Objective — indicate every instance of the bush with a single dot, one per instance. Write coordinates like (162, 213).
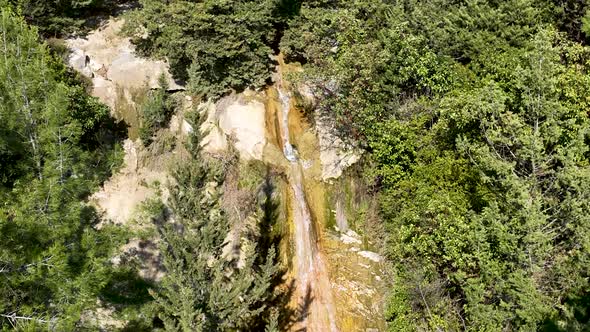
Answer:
(219, 45)
(155, 112)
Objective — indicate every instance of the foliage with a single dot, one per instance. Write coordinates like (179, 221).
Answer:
(475, 120)
(219, 45)
(57, 145)
(204, 289)
(58, 17)
(477, 125)
(155, 111)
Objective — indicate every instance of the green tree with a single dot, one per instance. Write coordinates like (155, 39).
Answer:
(155, 112)
(58, 17)
(53, 260)
(219, 45)
(476, 124)
(203, 290)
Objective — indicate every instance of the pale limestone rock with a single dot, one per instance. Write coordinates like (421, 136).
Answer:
(174, 124)
(352, 233)
(349, 239)
(106, 53)
(214, 141)
(105, 90)
(186, 127)
(122, 193)
(375, 257)
(240, 117)
(335, 154)
(244, 121)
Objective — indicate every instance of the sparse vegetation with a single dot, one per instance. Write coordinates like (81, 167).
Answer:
(156, 111)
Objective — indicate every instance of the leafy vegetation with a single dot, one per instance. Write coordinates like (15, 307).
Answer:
(475, 119)
(155, 111)
(205, 288)
(57, 145)
(482, 160)
(219, 45)
(57, 17)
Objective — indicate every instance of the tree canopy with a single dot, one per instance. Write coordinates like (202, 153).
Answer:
(56, 147)
(58, 17)
(219, 45)
(474, 116)
(476, 121)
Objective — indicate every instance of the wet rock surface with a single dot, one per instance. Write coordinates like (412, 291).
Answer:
(358, 282)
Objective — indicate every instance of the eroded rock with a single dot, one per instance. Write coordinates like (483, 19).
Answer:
(241, 118)
(106, 56)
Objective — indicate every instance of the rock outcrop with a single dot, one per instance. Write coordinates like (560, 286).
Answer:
(239, 118)
(109, 59)
(335, 154)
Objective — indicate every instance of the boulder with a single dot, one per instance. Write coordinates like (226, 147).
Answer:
(239, 117)
(105, 90)
(214, 141)
(244, 121)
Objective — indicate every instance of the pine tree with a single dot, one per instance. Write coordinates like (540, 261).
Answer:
(219, 45)
(53, 261)
(202, 289)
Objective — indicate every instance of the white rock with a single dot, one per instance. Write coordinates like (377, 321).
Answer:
(78, 62)
(335, 154)
(186, 127)
(352, 233)
(105, 52)
(375, 257)
(104, 90)
(307, 94)
(174, 124)
(214, 140)
(349, 240)
(244, 121)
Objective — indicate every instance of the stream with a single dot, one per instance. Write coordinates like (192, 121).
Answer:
(314, 287)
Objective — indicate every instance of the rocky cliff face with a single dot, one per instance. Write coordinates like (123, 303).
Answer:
(338, 270)
(109, 60)
(241, 118)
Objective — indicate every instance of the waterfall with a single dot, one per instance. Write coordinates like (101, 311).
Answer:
(312, 274)
(288, 149)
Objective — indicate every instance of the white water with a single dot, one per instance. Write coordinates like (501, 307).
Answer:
(288, 149)
(312, 274)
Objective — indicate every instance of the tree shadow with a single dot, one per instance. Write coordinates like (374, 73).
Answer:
(126, 288)
(288, 8)
(145, 257)
(290, 317)
(579, 321)
(269, 237)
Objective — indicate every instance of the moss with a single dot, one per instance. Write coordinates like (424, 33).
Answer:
(330, 213)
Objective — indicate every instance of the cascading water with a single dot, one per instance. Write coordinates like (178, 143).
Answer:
(312, 275)
(288, 149)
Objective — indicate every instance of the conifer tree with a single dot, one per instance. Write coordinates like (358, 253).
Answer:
(53, 260)
(202, 289)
